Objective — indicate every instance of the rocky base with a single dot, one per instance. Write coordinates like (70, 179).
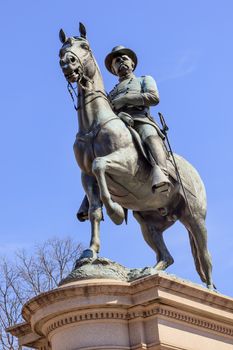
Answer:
(93, 268)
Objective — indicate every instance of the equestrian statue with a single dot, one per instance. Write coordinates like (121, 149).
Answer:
(124, 158)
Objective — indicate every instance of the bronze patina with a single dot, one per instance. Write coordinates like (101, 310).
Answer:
(119, 170)
(131, 98)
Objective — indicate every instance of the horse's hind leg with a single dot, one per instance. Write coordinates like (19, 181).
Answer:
(152, 229)
(198, 238)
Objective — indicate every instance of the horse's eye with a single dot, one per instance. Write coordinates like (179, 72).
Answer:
(84, 46)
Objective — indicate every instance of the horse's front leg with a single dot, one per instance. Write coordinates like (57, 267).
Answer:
(95, 214)
(114, 163)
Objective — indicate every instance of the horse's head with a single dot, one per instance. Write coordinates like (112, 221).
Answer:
(76, 59)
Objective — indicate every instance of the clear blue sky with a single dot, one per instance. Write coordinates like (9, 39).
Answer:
(186, 46)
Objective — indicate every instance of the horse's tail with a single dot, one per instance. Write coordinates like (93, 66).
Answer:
(196, 258)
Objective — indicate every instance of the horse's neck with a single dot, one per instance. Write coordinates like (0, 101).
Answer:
(94, 107)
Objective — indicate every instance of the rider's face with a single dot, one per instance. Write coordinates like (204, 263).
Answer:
(122, 65)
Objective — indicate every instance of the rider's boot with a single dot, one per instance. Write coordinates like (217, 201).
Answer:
(160, 181)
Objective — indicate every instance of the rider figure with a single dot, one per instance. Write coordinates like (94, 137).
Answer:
(132, 97)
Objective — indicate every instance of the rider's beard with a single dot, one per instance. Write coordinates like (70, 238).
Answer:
(123, 70)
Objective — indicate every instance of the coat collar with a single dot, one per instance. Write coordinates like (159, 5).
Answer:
(129, 76)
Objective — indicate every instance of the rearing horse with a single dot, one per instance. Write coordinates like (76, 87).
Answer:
(116, 174)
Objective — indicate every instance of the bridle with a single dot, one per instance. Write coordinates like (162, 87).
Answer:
(72, 91)
(90, 135)
(82, 77)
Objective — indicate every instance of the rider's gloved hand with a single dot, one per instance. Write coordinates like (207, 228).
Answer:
(118, 103)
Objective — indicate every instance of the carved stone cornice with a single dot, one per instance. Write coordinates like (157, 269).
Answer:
(165, 303)
(157, 310)
(90, 287)
(160, 281)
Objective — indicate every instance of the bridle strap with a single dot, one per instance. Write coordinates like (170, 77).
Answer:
(82, 76)
(81, 73)
(72, 92)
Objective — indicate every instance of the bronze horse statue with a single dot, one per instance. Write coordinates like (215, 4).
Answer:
(116, 174)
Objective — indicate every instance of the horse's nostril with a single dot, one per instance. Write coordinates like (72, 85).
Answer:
(62, 62)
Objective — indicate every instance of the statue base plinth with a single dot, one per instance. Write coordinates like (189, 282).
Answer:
(157, 312)
(103, 268)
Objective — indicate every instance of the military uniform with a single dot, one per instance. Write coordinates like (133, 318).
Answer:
(145, 94)
(134, 96)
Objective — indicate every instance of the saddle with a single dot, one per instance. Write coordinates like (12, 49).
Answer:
(129, 122)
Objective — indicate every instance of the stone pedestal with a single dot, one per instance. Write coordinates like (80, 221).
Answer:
(158, 312)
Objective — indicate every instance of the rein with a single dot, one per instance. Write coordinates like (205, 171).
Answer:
(72, 92)
(89, 136)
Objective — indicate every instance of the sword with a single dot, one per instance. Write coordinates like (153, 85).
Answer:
(165, 129)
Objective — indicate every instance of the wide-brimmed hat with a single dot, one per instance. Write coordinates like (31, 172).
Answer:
(117, 51)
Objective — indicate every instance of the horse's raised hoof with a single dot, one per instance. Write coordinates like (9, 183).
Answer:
(88, 254)
(116, 213)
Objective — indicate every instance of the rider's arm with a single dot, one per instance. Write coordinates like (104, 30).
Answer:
(150, 92)
(149, 95)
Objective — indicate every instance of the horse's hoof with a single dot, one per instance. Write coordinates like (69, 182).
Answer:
(88, 254)
(163, 264)
(117, 214)
(212, 287)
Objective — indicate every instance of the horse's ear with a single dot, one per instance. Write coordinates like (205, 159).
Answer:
(82, 30)
(62, 36)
